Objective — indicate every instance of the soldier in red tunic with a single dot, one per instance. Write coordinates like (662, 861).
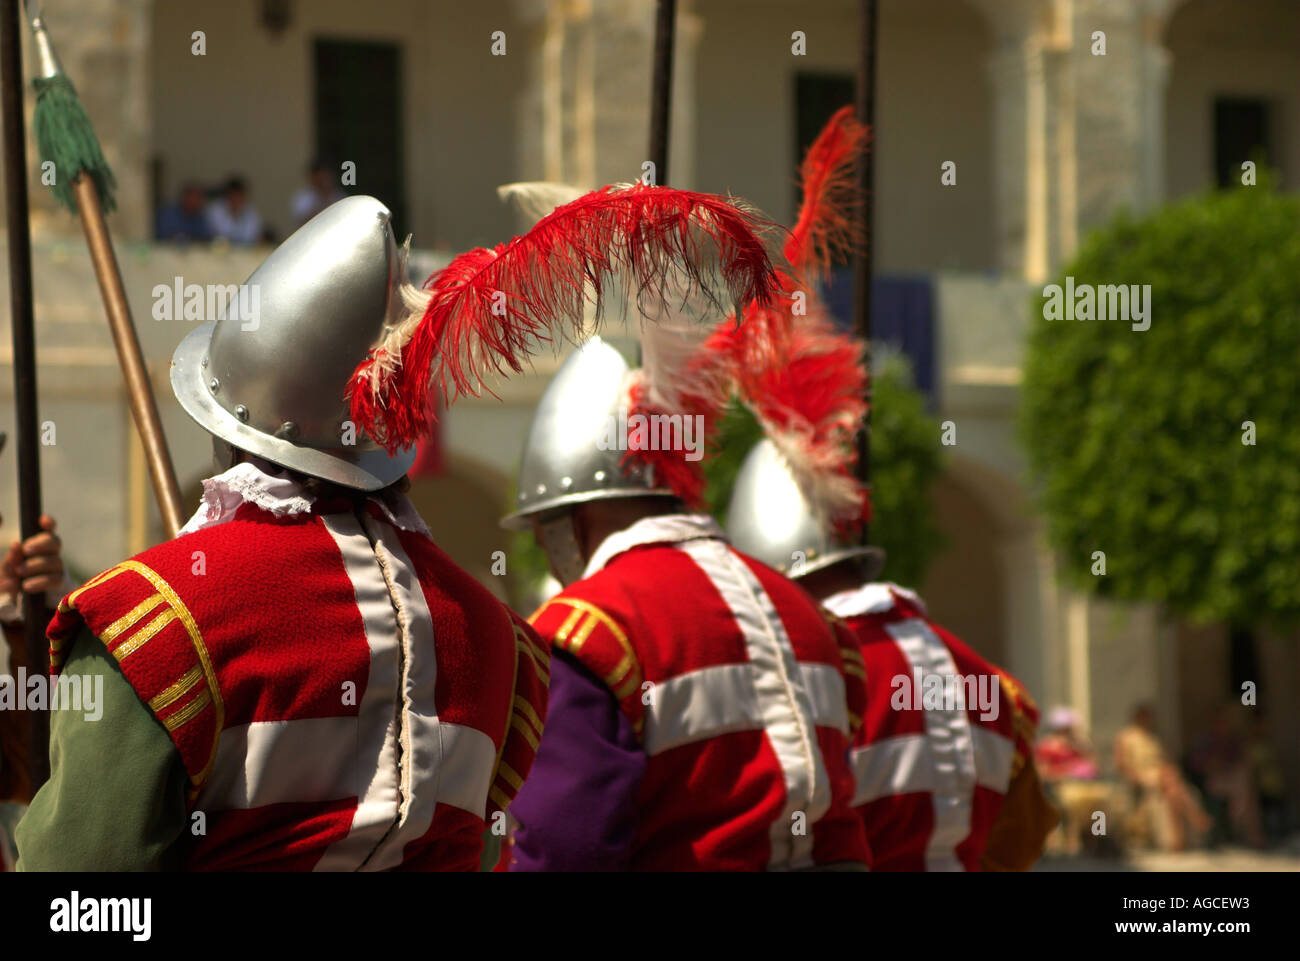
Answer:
(943, 764)
(701, 711)
(943, 770)
(302, 679)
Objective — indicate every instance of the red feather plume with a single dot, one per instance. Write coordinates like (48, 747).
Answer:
(828, 226)
(486, 311)
(810, 406)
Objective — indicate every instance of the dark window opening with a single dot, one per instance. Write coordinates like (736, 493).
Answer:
(1241, 132)
(359, 118)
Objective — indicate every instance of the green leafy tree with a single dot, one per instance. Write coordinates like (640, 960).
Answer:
(1175, 450)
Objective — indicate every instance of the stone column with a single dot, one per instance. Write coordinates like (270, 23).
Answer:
(1119, 110)
(1019, 76)
(1031, 638)
(587, 115)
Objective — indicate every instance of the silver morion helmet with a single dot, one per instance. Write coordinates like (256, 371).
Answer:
(269, 375)
(573, 452)
(770, 519)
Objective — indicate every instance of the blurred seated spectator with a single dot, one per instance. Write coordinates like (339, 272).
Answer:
(1166, 809)
(1220, 758)
(321, 190)
(232, 217)
(184, 220)
(1063, 752)
(1068, 767)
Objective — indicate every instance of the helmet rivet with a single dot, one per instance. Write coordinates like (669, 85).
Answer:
(288, 431)
(204, 362)
(566, 482)
(541, 489)
(214, 385)
(599, 477)
(242, 413)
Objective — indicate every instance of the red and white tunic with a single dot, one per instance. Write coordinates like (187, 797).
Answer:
(343, 696)
(734, 682)
(930, 782)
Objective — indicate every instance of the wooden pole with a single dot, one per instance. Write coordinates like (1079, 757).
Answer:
(661, 93)
(866, 110)
(139, 390)
(35, 614)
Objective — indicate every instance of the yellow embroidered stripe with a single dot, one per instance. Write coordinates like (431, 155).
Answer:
(188, 711)
(562, 634)
(579, 637)
(532, 640)
(514, 686)
(855, 671)
(186, 618)
(129, 619)
(628, 667)
(499, 798)
(524, 727)
(511, 778)
(144, 635)
(626, 688)
(524, 708)
(178, 690)
(525, 648)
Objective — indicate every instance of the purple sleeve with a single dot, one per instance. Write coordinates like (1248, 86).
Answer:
(577, 810)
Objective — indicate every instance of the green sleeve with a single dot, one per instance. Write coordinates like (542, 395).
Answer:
(115, 800)
(491, 851)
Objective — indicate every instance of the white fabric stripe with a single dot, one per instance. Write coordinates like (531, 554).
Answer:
(781, 694)
(716, 700)
(441, 762)
(894, 765)
(873, 598)
(658, 529)
(994, 755)
(375, 761)
(952, 752)
(271, 762)
(903, 765)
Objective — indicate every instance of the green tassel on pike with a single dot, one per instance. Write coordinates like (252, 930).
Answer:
(65, 136)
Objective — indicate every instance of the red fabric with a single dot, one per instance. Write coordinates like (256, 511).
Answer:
(277, 614)
(709, 804)
(899, 827)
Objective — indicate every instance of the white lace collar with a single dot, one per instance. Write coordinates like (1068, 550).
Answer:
(874, 598)
(659, 529)
(260, 483)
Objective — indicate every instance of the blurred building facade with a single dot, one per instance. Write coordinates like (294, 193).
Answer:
(1049, 136)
